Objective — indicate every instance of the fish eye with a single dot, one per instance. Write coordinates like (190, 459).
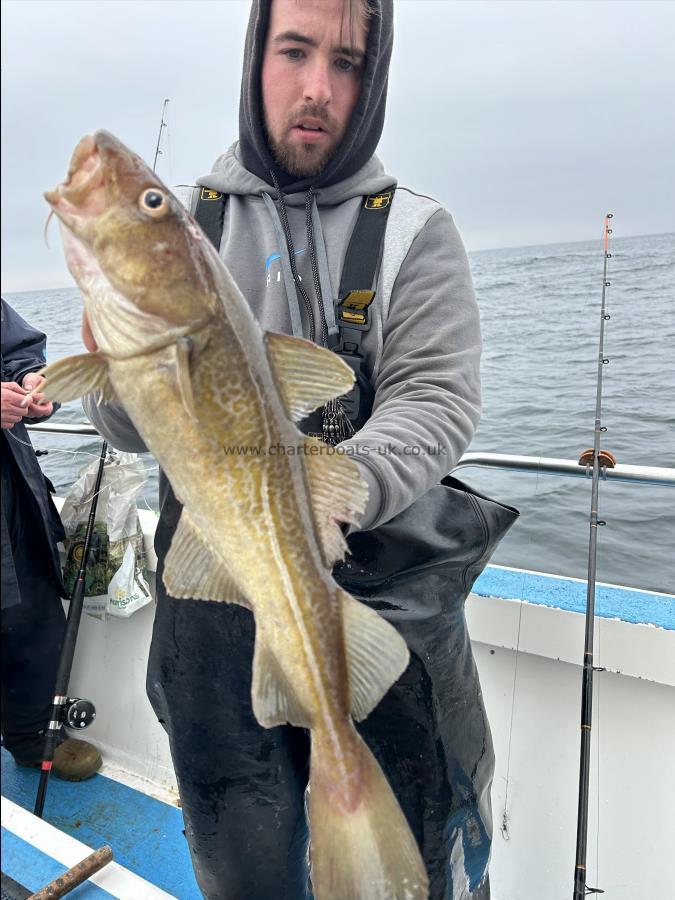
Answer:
(153, 202)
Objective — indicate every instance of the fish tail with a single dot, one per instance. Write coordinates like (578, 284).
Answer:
(362, 847)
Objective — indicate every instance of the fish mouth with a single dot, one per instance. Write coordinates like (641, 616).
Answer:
(83, 193)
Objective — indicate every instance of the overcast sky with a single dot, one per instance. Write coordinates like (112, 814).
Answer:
(528, 120)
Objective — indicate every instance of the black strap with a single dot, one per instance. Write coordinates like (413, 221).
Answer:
(359, 272)
(365, 246)
(210, 214)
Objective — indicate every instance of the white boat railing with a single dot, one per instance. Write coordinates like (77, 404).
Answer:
(548, 465)
(537, 465)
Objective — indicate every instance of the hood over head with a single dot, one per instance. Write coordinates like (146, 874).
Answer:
(229, 176)
(365, 128)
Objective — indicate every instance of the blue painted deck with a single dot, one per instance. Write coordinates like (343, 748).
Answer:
(611, 601)
(34, 869)
(145, 834)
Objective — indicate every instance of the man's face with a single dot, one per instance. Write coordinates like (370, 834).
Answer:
(311, 80)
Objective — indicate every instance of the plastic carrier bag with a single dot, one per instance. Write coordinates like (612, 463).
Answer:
(116, 580)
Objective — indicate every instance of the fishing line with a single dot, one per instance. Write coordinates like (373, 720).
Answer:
(536, 481)
(504, 828)
(45, 234)
(73, 452)
(109, 483)
(8, 432)
(148, 470)
(148, 507)
(41, 451)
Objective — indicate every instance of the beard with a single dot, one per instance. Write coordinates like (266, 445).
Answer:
(303, 160)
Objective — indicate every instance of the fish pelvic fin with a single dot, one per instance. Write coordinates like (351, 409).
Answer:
(361, 843)
(376, 653)
(338, 494)
(75, 376)
(307, 376)
(183, 347)
(272, 695)
(192, 570)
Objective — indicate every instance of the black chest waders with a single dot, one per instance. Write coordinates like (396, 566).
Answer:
(242, 786)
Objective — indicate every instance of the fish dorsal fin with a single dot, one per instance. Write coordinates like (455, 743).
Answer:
(338, 494)
(307, 376)
(274, 701)
(376, 653)
(191, 569)
(74, 377)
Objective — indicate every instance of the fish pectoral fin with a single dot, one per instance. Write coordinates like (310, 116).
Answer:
(74, 377)
(307, 376)
(338, 493)
(376, 654)
(274, 701)
(192, 570)
(181, 364)
(107, 394)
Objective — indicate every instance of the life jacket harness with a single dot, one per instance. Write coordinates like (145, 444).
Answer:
(355, 296)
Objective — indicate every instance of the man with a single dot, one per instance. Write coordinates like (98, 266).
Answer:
(33, 621)
(311, 115)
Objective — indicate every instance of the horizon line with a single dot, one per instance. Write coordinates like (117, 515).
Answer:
(60, 287)
(581, 241)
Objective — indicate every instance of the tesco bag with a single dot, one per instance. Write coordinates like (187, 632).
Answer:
(116, 580)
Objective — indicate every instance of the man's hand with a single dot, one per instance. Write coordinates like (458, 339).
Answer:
(36, 407)
(13, 396)
(87, 336)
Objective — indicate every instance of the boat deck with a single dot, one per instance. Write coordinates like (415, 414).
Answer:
(527, 633)
(151, 857)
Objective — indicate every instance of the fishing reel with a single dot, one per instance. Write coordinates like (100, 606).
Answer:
(78, 713)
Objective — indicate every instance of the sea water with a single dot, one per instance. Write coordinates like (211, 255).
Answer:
(540, 312)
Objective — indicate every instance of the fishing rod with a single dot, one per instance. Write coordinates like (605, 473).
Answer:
(72, 711)
(597, 458)
(162, 126)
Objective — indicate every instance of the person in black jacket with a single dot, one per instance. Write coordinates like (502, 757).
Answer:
(33, 621)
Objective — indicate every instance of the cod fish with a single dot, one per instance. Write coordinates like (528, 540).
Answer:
(216, 401)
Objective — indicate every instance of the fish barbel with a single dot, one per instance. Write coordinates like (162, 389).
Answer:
(216, 400)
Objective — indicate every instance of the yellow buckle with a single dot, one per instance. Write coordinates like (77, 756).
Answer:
(358, 299)
(358, 318)
(353, 310)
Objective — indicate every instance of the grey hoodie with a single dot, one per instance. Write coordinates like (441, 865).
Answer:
(423, 349)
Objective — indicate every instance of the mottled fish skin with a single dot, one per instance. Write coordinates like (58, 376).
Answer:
(179, 348)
